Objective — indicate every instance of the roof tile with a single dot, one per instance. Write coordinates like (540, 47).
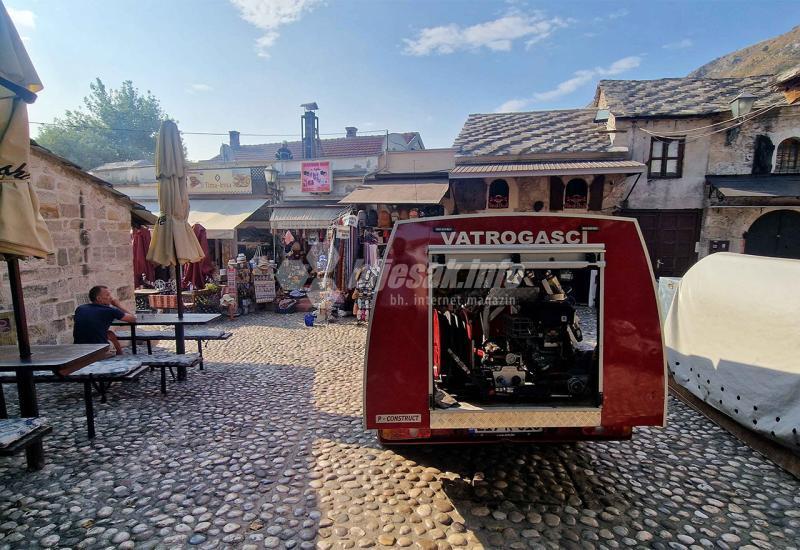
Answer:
(564, 131)
(684, 96)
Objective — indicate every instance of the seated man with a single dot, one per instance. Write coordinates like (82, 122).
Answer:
(93, 320)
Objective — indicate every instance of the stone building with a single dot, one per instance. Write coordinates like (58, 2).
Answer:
(704, 164)
(538, 161)
(90, 223)
(719, 176)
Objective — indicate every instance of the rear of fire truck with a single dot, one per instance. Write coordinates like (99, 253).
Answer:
(523, 327)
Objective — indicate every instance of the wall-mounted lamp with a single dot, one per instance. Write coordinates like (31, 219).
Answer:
(742, 104)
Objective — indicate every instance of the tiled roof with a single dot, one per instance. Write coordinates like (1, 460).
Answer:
(548, 168)
(358, 146)
(684, 96)
(566, 131)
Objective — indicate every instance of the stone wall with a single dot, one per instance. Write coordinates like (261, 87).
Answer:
(91, 231)
(666, 193)
(736, 156)
(712, 154)
(730, 224)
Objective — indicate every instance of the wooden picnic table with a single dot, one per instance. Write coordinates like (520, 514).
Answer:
(170, 319)
(61, 359)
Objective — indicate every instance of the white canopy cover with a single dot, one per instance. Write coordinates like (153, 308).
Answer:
(733, 339)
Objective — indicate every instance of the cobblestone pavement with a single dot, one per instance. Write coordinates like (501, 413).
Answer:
(265, 449)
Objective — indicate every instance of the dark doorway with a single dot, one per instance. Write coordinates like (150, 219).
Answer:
(671, 236)
(775, 234)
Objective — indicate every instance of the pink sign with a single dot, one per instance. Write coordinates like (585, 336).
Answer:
(315, 177)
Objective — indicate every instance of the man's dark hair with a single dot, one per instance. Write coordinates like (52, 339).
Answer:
(95, 291)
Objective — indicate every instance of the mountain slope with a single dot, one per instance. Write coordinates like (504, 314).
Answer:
(768, 57)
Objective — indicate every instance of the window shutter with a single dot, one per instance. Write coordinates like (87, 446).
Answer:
(596, 193)
(556, 194)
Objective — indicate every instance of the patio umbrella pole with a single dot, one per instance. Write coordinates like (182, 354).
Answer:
(20, 319)
(26, 390)
(180, 338)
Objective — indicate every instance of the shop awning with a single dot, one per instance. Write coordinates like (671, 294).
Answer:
(551, 168)
(756, 187)
(398, 192)
(308, 217)
(220, 217)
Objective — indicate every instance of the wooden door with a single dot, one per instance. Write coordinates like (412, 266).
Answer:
(671, 236)
(775, 234)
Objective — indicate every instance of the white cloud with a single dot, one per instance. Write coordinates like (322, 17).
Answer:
(495, 35)
(679, 45)
(270, 15)
(619, 14)
(579, 78)
(512, 105)
(199, 87)
(24, 19)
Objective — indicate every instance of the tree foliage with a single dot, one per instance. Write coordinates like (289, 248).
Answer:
(115, 125)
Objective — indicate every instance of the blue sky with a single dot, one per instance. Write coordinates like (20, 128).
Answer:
(405, 65)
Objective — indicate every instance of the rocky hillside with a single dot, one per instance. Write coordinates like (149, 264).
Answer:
(768, 57)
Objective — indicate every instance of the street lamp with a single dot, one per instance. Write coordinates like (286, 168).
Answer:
(271, 175)
(742, 104)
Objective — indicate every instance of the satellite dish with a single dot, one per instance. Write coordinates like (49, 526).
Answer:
(397, 142)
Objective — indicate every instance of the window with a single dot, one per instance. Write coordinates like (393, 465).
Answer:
(666, 158)
(788, 159)
(498, 194)
(575, 194)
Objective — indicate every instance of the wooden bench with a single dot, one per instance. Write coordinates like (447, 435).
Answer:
(99, 375)
(17, 434)
(199, 334)
(165, 360)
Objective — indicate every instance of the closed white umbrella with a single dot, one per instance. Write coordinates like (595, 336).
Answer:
(23, 231)
(173, 242)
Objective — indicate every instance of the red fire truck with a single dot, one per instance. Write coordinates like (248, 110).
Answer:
(514, 326)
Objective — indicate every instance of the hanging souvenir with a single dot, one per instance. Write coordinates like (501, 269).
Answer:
(384, 218)
(288, 238)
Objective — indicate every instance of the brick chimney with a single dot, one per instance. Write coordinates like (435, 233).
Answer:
(351, 131)
(234, 139)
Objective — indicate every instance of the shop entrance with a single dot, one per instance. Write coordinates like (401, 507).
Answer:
(775, 234)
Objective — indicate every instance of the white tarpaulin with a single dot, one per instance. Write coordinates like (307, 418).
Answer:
(733, 340)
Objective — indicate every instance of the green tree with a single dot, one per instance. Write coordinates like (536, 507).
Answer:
(116, 125)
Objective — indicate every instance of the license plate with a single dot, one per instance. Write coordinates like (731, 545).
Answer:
(504, 430)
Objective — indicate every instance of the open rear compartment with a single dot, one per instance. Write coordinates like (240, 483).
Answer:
(515, 337)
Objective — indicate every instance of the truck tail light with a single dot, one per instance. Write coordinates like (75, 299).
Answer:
(399, 434)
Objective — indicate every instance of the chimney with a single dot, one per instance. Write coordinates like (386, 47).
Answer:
(309, 130)
(351, 131)
(234, 138)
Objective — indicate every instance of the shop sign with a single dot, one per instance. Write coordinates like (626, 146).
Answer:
(342, 232)
(237, 181)
(316, 177)
(230, 287)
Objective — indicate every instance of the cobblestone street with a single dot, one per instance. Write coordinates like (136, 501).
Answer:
(265, 449)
